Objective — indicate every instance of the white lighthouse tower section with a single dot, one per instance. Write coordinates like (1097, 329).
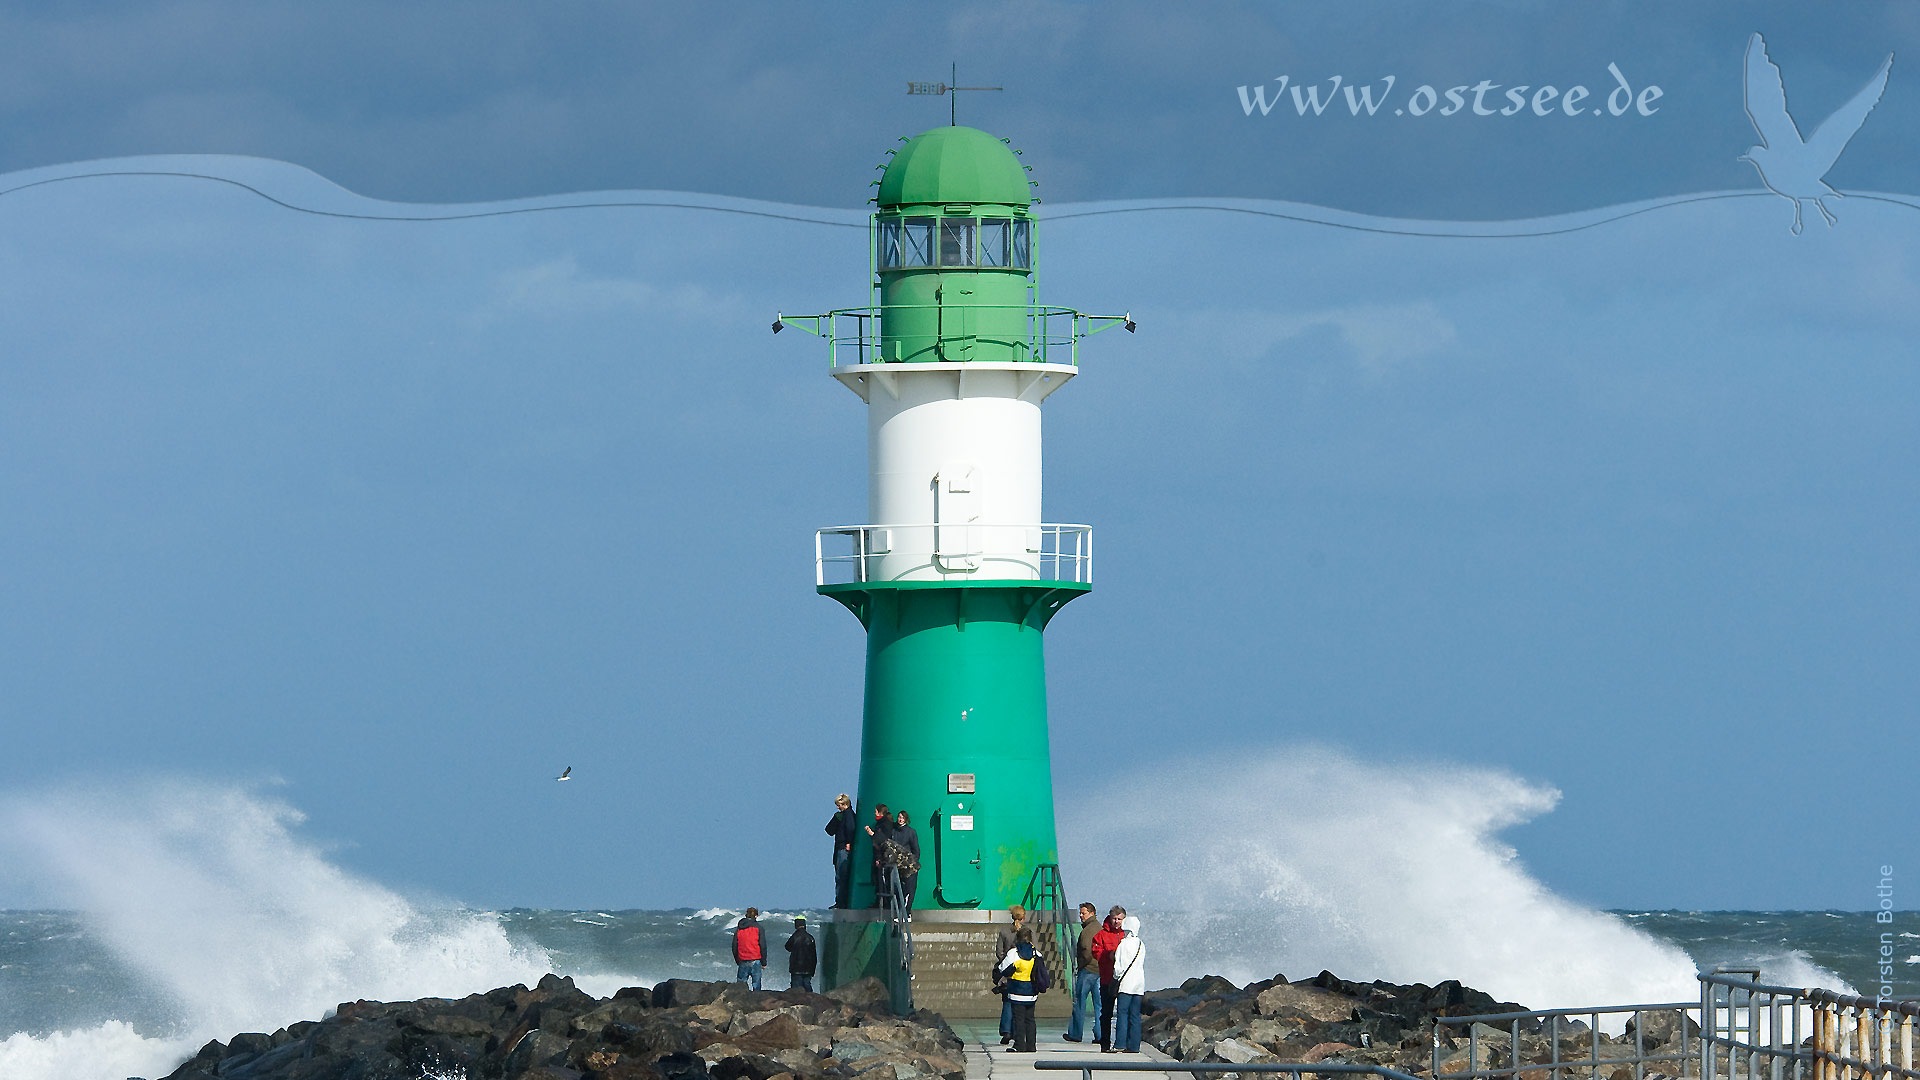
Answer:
(954, 468)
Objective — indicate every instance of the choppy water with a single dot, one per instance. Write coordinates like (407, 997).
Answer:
(241, 924)
(58, 971)
(64, 986)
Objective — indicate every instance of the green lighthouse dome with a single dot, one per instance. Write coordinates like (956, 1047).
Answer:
(954, 165)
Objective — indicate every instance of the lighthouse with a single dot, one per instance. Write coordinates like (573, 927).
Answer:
(956, 573)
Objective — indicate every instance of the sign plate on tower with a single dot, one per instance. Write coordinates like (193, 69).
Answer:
(959, 783)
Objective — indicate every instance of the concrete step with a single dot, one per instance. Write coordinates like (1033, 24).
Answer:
(951, 966)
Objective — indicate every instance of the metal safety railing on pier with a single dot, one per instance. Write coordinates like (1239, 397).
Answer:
(1087, 1067)
(1016, 552)
(1752, 1031)
(1559, 1044)
(1740, 1029)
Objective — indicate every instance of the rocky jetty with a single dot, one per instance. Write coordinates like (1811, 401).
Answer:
(678, 1030)
(1326, 1018)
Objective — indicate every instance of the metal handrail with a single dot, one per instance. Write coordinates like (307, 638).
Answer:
(1783, 1060)
(899, 915)
(1542, 1014)
(1047, 891)
(1554, 1066)
(1905, 1006)
(1068, 562)
(1087, 1067)
(1852, 1038)
(1851, 1035)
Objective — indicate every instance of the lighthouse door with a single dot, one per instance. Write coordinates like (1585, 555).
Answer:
(956, 509)
(959, 840)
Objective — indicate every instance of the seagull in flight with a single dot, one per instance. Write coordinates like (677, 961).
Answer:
(567, 774)
(1792, 166)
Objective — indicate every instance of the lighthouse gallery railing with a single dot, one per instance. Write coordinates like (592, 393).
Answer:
(1044, 552)
(1052, 335)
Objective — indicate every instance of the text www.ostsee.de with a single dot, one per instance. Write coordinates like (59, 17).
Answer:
(1484, 98)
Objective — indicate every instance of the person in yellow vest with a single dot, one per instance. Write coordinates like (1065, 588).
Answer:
(1027, 979)
(1003, 944)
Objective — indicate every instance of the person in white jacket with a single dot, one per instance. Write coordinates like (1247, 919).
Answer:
(1130, 971)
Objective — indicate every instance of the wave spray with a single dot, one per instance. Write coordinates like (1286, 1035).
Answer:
(1306, 859)
(235, 922)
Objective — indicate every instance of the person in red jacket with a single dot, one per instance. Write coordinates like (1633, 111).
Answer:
(750, 948)
(1104, 942)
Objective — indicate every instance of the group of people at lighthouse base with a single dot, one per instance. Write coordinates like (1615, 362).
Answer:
(1109, 980)
(1110, 975)
(896, 854)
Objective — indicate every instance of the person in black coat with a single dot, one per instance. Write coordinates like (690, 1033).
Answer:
(909, 842)
(803, 959)
(844, 828)
(881, 832)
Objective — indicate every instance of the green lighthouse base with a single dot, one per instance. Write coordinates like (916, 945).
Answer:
(943, 962)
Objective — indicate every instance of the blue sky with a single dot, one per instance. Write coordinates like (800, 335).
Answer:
(395, 519)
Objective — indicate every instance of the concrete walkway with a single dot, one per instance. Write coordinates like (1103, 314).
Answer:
(988, 1060)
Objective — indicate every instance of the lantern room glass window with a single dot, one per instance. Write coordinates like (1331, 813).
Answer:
(998, 243)
(918, 234)
(956, 241)
(892, 253)
(993, 241)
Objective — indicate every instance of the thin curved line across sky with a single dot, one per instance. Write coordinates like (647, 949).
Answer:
(1438, 230)
(465, 216)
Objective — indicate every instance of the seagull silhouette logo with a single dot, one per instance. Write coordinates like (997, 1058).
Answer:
(1792, 167)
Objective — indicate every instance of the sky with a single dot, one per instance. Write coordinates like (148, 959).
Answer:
(392, 520)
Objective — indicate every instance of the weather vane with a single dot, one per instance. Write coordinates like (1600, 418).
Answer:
(953, 103)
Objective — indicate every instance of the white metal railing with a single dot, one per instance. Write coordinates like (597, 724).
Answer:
(975, 551)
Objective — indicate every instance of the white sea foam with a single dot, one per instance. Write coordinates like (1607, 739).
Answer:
(1307, 859)
(1795, 967)
(113, 1051)
(208, 893)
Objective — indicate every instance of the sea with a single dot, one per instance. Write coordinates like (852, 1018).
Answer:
(76, 1004)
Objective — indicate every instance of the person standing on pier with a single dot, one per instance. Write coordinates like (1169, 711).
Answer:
(1086, 976)
(1104, 942)
(1130, 982)
(1004, 944)
(1026, 972)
